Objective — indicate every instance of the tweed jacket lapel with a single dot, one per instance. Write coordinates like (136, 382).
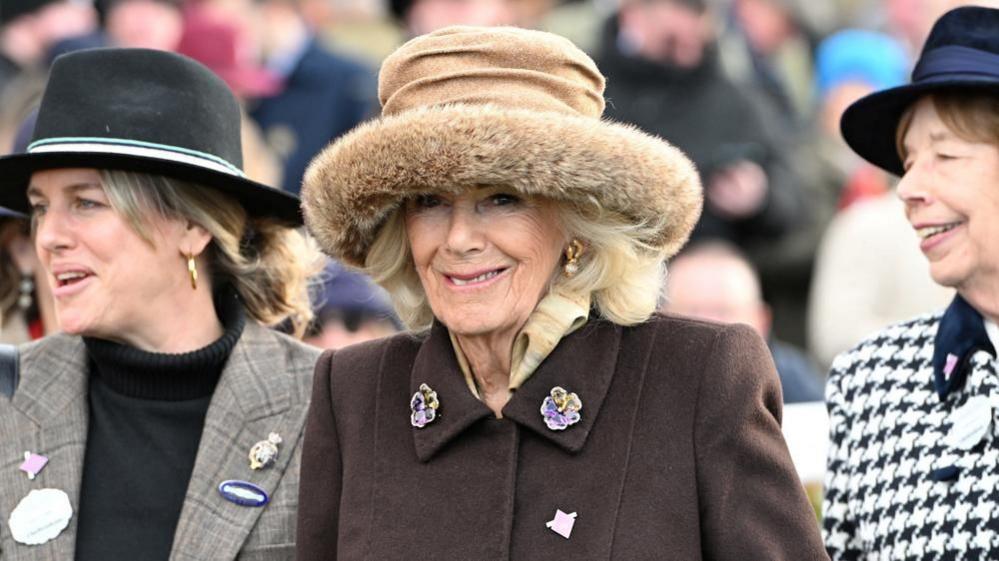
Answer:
(48, 416)
(583, 362)
(252, 400)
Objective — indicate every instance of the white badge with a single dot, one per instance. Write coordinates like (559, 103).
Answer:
(40, 517)
(970, 423)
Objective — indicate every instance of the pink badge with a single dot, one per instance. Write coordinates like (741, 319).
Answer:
(949, 365)
(562, 524)
(33, 463)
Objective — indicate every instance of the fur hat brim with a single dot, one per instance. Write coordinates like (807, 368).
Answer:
(352, 187)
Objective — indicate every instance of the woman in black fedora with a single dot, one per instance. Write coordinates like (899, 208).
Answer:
(914, 458)
(165, 422)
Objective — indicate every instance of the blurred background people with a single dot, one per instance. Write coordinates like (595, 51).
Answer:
(770, 45)
(663, 75)
(219, 43)
(323, 94)
(715, 282)
(349, 309)
(29, 29)
(27, 311)
(850, 64)
(148, 24)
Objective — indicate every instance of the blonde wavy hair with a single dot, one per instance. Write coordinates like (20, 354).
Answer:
(622, 274)
(268, 263)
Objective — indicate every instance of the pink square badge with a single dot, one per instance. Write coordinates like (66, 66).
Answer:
(562, 524)
(33, 463)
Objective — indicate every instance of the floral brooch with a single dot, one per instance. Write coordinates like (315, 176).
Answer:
(561, 409)
(424, 407)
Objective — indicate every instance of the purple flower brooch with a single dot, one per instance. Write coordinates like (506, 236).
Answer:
(561, 409)
(424, 406)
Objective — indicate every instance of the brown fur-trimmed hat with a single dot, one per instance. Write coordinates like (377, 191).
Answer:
(469, 106)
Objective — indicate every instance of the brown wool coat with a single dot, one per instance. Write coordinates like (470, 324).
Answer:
(678, 455)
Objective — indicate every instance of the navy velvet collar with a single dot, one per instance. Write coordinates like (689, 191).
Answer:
(960, 334)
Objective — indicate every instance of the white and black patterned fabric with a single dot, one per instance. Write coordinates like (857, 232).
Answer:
(894, 489)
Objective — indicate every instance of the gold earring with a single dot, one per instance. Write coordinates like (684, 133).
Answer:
(192, 269)
(572, 254)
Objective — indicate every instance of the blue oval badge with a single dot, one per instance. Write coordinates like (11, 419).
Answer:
(243, 493)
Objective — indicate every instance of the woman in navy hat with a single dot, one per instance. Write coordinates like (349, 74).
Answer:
(914, 460)
(164, 422)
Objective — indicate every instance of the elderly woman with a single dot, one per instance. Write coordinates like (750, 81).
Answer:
(915, 451)
(164, 422)
(539, 410)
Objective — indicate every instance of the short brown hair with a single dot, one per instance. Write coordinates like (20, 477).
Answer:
(973, 116)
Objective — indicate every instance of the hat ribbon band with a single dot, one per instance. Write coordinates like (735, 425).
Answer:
(956, 59)
(137, 148)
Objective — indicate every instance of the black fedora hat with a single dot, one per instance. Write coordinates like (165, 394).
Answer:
(961, 52)
(141, 110)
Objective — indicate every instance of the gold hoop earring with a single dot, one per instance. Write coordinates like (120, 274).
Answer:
(192, 269)
(572, 254)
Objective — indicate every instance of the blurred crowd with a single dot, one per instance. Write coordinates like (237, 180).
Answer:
(799, 237)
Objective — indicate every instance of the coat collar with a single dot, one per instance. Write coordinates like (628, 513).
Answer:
(583, 362)
(254, 398)
(51, 400)
(59, 381)
(960, 334)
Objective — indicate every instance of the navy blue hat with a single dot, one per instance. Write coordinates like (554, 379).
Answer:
(349, 293)
(961, 52)
(146, 111)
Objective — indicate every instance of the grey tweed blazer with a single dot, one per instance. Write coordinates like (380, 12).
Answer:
(264, 388)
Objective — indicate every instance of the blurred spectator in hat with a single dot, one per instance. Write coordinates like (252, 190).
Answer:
(324, 94)
(27, 311)
(846, 64)
(146, 24)
(30, 28)
(663, 75)
(770, 44)
(350, 309)
(149, 24)
(224, 47)
(849, 65)
(714, 281)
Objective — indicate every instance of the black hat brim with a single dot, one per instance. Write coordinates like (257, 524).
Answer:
(258, 199)
(869, 125)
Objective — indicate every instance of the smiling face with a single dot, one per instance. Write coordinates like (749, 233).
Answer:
(106, 280)
(951, 194)
(485, 257)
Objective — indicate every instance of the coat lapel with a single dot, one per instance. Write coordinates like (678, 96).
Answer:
(436, 366)
(583, 362)
(52, 406)
(252, 400)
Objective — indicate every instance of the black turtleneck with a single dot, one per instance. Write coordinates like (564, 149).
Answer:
(147, 412)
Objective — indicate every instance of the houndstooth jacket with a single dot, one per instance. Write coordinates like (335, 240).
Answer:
(895, 489)
(264, 388)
